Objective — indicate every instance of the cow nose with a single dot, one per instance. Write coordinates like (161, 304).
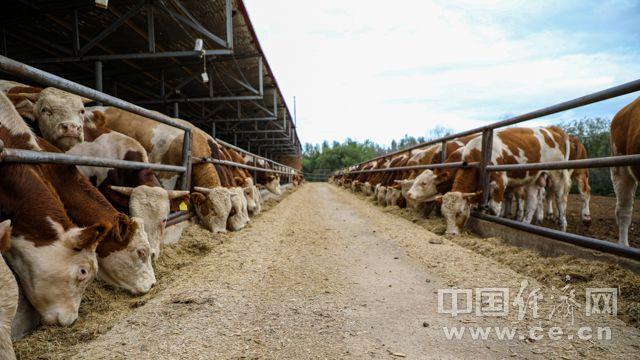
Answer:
(67, 319)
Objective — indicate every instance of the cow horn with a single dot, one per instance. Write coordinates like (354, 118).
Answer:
(470, 195)
(173, 194)
(124, 190)
(201, 189)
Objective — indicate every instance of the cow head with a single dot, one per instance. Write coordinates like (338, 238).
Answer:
(424, 187)
(130, 268)
(238, 216)
(152, 205)
(59, 114)
(273, 184)
(55, 276)
(393, 196)
(367, 189)
(382, 195)
(251, 194)
(212, 207)
(456, 208)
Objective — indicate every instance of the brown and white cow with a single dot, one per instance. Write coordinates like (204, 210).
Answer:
(581, 179)
(124, 255)
(164, 145)
(625, 140)
(8, 295)
(270, 180)
(53, 258)
(136, 192)
(58, 114)
(426, 185)
(510, 146)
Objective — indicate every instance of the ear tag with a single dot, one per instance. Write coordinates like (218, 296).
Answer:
(183, 206)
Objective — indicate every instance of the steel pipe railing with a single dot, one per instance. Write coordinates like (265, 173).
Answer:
(575, 239)
(239, 165)
(486, 166)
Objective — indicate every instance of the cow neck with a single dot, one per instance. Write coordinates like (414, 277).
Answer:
(29, 200)
(85, 205)
(91, 133)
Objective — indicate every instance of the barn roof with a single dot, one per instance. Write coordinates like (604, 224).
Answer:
(144, 51)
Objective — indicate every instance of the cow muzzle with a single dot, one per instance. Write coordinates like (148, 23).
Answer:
(69, 130)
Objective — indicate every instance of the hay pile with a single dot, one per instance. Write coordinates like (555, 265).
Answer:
(104, 306)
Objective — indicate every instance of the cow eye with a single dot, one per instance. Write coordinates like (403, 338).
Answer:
(45, 111)
(82, 111)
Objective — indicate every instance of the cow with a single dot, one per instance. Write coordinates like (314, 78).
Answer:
(233, 176)
(580, 177)
(58, 114)
(510, 146)
(625, 140)
(8, 295)
(426, 185)
(53, 258)
(270, 180)
(163, 144)
(124, 256)
(136, 192)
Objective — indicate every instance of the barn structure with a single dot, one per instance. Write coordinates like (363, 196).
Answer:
(200, 61)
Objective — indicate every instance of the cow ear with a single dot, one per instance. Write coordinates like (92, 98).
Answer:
(5, 235)
(197, 198)
(24, 104)
(473, 197)
(438, 199)
(124, 190)
(97, 117)
(176, 203)
(441, 176)
(90, 237)
(239, 180)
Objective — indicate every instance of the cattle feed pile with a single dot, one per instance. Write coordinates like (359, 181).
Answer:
(108, 224)
(103, 306)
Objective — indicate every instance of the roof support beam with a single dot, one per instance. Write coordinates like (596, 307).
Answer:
(191, 22)
(111, 28)
(132, 56)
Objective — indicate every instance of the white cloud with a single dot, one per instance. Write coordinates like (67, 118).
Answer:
(378, 70)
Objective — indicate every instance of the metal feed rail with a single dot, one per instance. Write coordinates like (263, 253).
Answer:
(486, 167)
(48, 79)
(28, 156)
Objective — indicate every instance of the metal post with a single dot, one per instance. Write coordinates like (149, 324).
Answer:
(185, 179)
(443, 151)
(151, 34)
(295, 111)
(176, 110)
(98, 75)
(487, 147)
(260, 80)
(75, 33)
(162, 89)
(213, 129)
(229, 14)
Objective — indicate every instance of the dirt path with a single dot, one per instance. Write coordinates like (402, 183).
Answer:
(325, 275)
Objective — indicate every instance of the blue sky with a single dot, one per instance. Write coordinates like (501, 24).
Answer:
(380, 69)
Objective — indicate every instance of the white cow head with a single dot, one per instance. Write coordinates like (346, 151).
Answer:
(59, 114)
(393, 196)
(251, 194)
(424, 187)
(367, 189)
(238, 216)
(55, 276)
(382, 195)
(212, 207)
(273, 184)
(456, 208)
(152, 205)
(130, 268)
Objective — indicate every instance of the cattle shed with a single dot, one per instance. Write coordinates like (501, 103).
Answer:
(200, 61)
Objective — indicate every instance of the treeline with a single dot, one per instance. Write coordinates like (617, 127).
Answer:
(321, 159)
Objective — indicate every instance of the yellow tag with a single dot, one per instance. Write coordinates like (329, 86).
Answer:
(183, 206)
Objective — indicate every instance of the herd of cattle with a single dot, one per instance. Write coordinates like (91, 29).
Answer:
(62, 225)
(534, 194)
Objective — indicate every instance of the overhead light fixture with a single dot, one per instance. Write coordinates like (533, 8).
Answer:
(102, 3)
(198, 46)
(205, 77)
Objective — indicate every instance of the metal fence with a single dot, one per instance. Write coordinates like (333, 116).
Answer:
(486, 167)
(28, 156)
